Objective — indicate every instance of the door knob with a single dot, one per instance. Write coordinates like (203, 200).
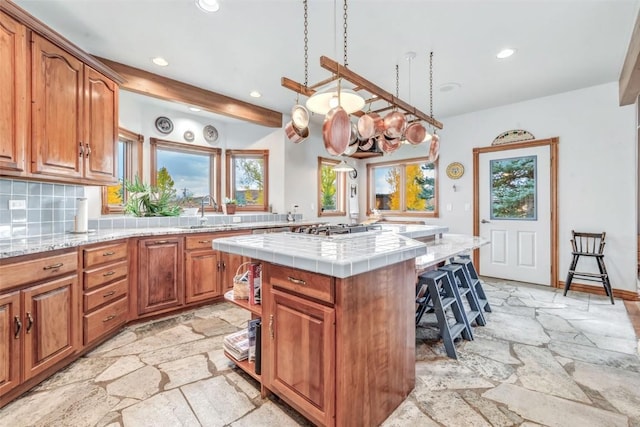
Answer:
(484, 221)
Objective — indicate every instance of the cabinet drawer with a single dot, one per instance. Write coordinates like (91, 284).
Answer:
(105, 319)
(201, 241)
(305, 283)
(105, 274)
(35, 270)
(105, 253)
(110, 292)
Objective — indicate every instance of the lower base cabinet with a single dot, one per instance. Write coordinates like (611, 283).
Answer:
(160, 275)
(301, 362)
(10, 342)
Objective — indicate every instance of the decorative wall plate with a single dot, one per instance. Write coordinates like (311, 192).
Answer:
(164, 125)
(210, 133)
(353, 174)
(189, 136)
(455, 170)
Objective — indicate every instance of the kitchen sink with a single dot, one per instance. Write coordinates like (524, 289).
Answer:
(205, 227)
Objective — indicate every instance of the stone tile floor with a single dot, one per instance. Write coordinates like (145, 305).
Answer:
(542, 359)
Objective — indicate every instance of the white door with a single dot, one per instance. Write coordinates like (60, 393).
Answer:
(515, 214)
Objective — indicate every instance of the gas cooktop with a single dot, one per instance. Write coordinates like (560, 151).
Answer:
(334, 229)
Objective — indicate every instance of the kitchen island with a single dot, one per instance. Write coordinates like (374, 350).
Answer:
(338, 333)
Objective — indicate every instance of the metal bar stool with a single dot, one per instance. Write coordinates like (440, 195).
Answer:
(589, 245)
(476, 284)
(458, 279)
(442, 296)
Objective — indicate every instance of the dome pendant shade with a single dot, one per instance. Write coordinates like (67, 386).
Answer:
(323, 101)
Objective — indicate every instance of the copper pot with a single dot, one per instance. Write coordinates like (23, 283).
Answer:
(370, 125)
(394, 124)
(366, 144)
(388, 145)
(294, 134)
(300, 117)
(415, 133)
(353, 135)
(336, 131)
(434, 149)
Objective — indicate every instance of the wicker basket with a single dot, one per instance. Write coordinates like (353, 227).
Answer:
(240, 288)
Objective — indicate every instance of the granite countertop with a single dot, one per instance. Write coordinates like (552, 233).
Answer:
(339, 256)
(29, 245)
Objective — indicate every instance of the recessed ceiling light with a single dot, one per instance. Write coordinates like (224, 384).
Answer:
(208, 5)
(160, 61)
(255, 94)
(505, 53)
(448, 87)
(196, 109)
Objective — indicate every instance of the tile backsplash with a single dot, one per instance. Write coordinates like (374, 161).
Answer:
(50, 208)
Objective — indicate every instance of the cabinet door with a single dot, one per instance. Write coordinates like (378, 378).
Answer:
(202, 277)
(101, 127)
(10, 341)
(229, 265)
(160, 274)
(13, 102)
(51, 324)
(300, 354)
(57, 96)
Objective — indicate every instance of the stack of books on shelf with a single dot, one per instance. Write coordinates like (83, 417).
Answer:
(237, 345)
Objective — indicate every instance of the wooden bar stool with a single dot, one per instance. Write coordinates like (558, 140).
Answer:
(442, 297)
(590, 245)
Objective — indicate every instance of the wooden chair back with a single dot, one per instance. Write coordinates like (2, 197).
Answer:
(589, 244)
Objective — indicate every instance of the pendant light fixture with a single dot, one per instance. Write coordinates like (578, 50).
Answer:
(324, 100)
(343, 167)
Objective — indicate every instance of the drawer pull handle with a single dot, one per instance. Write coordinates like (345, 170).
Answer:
(296, 281)
(108, 294)
(160, 242)
(108, 253)
(271, 326)
(204, 241)
(29, 322)
(113, 316)
(18, 323)
(109, 273)
(52, 266)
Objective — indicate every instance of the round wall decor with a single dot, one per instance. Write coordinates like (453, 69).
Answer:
(189, 136)
(210, 133)
(455, 170)
(164, 125)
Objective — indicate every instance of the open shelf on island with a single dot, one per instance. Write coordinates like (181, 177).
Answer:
(244, 303)
(245, 365)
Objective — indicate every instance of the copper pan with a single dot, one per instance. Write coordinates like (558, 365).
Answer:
(336, 131)
(394, 124)
(366, 144)
(388, 145)
(434, 149)
(294, 134)
(415, 133)
(370, 125)
(353, 135)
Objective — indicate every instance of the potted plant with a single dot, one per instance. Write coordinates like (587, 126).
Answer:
(145, 200)
(230, 205)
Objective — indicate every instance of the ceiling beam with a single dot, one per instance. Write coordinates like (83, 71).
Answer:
(146, 83)
(629, 83)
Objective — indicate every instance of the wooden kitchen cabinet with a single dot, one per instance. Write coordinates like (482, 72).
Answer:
(39, 316)
(298, 341)
(14, 103)
(208, 273)
(74, 117)
(106, 289)
(10, 342)
(160, 274)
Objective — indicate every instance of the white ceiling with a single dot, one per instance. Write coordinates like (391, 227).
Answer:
(248, 45)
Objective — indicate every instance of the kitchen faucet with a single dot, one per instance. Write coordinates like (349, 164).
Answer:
(211, 203)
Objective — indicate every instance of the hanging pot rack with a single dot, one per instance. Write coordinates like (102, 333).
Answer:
(376, 93)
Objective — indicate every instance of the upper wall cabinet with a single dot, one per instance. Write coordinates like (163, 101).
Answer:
(65, 128)
(13, 101)
(74, 116)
